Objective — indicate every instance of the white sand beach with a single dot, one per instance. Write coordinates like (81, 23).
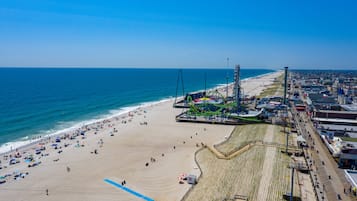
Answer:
(147, 148)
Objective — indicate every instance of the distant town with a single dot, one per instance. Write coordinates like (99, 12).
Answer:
(327, 100)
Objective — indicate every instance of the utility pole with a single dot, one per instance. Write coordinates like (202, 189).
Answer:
(286, 107)
(227, 86)
(285, 85)
(227, 78)
(180, 77)
(292, 184)
(285, 131)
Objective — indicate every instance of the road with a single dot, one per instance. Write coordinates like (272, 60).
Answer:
(331, 179)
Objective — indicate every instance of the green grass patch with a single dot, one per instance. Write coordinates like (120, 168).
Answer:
(242, 135)
(276, 88)
(280, 182)
(225, 178)
(241, 175)
(350, 139)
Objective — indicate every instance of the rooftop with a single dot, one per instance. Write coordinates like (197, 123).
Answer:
(351, 175)
(320, 98)
(350, 107)
(351, 121)
(337, 111)
(338, 127)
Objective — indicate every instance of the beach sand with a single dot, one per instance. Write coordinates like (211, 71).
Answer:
(148, 135)
(254, 86)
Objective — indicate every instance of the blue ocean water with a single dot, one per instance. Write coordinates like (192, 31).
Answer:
(40, 101)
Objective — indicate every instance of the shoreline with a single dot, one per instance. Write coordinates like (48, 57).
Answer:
(146, 147)
(36, 138)
(11, 146)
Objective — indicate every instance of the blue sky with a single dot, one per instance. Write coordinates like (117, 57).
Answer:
(132, 33)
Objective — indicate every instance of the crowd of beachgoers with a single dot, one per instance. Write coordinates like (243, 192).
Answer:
(20, 161)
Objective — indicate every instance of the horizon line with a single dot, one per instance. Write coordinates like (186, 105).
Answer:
(122, 67)
(149, 67)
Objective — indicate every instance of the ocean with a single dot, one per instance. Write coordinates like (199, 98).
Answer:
(44, 101)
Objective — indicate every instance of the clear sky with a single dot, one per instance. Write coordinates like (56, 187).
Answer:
(182, 33)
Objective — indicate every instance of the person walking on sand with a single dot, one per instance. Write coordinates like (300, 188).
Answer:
(47, 192)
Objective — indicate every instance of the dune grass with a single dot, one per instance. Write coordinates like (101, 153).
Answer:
(226, 178)
(277, 88)
(241, 175)
(243, 134)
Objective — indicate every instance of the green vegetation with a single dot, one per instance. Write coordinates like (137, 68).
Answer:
(277, 88)
(280, 184)
(242, 175)
(350, 139)
(281, 173)
(242, 135)
(280, 136)
(221, 110)
(226, 178)
(247, 119)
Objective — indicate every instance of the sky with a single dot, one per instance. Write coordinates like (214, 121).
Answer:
(184, 33)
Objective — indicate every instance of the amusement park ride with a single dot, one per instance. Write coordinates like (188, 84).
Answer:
(213, 107)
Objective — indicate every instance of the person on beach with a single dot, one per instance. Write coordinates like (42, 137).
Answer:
(47, 192)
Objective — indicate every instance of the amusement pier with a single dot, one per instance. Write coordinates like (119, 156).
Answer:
(213, 107)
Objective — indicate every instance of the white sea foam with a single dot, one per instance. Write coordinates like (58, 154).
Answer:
(72, 126)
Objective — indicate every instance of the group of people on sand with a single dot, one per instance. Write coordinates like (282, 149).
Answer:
(145, 123)
(47, 147)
